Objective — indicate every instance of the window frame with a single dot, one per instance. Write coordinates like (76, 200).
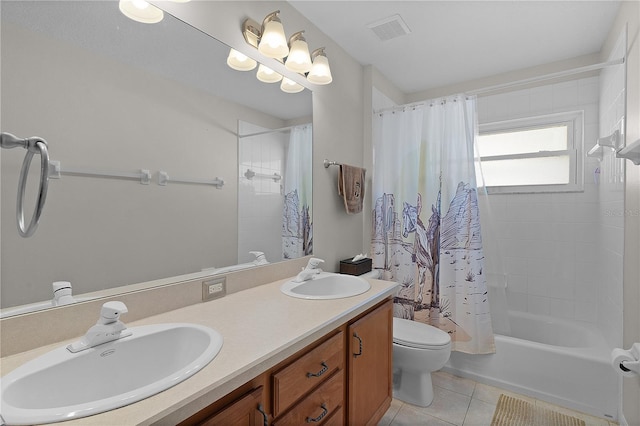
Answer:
(574, 120)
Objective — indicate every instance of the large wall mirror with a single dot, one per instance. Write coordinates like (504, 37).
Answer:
(114, 97)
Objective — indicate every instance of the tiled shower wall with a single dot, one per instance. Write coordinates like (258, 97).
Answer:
(260, 200)
(549, 245)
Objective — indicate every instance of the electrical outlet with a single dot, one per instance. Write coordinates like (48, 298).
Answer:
(214, 288)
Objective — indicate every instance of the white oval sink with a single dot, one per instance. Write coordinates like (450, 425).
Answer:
(326, 285)
(61, 385)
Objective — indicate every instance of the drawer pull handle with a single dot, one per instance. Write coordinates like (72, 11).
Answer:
(320, 417)
(324, 369)
(360, 345)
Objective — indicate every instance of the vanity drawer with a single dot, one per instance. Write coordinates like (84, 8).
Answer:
(323, 406)
(307, 372)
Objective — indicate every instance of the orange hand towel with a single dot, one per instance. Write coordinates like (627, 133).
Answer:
(351, 187)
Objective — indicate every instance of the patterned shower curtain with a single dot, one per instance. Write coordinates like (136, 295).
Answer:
(297, 228)
(426, 225)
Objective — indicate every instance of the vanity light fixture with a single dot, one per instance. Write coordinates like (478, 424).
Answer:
(290, 86)
(273, 42)
(267, 75)
(141, 11)
(270, 40)
(298, 60)
(320, 72)
(239, 61)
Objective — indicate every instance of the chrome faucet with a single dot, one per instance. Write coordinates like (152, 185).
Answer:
(309, 271)
(108, 328)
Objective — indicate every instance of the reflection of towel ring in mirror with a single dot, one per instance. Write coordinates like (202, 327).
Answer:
(32, 145)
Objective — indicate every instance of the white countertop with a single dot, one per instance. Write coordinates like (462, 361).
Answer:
(261, 327)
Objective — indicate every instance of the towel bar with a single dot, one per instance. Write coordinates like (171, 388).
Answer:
(328, 163)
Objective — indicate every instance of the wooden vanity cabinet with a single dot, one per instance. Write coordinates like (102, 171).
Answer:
(245, 411)
(370, 366)
(310, 372)
(244, 406)
(342, 378)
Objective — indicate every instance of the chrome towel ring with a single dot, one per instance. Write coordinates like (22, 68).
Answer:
(33, 145)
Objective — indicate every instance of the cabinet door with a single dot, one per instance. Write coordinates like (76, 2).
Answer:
(369, 364)
(243, 412)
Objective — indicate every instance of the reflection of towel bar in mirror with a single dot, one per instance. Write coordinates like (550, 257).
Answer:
(250, 174)
(164, 179)
(56, 171)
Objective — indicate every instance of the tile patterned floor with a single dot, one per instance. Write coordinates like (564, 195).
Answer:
(463, 402)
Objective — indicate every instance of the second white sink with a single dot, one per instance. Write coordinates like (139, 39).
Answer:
(61, 385)
(326, 285)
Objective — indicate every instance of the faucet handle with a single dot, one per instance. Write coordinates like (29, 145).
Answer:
(111, 311)
(314, 262)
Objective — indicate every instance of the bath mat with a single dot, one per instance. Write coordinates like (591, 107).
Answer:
(516, 412)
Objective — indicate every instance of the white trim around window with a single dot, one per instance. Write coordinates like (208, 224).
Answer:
(531, 169)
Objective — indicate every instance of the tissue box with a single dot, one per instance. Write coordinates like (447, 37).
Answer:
(358, 267)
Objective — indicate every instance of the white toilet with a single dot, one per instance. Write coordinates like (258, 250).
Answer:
(418, 350)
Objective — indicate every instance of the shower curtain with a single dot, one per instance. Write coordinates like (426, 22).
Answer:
(426, 226)
(297, 229)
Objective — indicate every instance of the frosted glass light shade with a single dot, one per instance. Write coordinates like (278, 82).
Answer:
(299, 59)
(320, 72)
(273, 42)
(290, 86)
(267, 75)
(239, 61)
(141, 11)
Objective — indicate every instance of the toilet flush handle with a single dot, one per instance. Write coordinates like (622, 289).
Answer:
(360, 344)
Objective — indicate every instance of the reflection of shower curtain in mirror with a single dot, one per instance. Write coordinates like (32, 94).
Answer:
(297, 235)
(426, 226)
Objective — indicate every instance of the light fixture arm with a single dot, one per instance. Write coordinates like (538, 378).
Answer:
(252, 31)
(318, 52)
(297, 36)
(273, 16)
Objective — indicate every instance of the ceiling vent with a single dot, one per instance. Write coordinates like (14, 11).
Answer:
(388, 28)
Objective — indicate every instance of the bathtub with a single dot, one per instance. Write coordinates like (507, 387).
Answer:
(559, 361)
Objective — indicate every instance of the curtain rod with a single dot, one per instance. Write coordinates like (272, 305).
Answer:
(545, 77)
(281, 129)
(414, 105)
(488, 89)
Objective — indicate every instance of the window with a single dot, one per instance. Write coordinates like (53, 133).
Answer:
(538, 154)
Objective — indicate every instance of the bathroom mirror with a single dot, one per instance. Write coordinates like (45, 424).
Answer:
(143, 122)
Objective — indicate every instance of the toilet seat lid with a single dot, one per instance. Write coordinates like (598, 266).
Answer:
(419, 335)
